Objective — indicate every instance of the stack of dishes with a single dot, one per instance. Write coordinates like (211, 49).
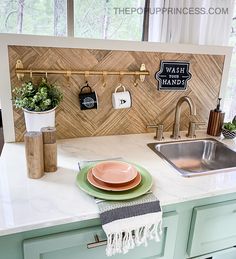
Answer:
(114, 176)
(114, 180)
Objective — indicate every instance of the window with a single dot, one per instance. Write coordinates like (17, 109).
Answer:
(42, 17)
(230, 100)
(103, 19)
(107, 19)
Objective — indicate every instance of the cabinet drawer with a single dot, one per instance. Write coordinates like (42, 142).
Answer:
(213, 228)
(74, 244)
(229, 253)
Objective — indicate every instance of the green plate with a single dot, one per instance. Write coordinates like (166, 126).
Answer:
(141, 189)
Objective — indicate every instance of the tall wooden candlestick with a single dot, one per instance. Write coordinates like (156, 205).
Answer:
(49, 149)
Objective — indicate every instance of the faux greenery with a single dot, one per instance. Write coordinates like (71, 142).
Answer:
(231, 126)
(41, 97)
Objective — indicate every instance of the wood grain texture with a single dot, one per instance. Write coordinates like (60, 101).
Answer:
(215, 123)
(49, 149)
(34, 154)
(49, 135)
(50, 157)
(149, 106)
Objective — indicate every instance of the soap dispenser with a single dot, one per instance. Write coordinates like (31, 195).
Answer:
(216, 120)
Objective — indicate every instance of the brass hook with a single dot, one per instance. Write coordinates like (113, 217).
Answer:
(68, 75)
(86, 74)
(31, 74)
(104, 75)
(136, 79)
(120, 77)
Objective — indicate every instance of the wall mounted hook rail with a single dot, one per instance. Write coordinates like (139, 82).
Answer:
(20, 72)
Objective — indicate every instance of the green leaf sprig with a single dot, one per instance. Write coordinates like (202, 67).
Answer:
(231, 126)
(38, 98)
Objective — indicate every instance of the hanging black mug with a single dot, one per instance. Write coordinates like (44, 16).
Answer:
(88, 100)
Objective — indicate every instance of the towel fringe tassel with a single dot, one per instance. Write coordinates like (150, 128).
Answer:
(123, 241)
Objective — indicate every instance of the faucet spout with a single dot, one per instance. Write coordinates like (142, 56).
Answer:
(192, 107)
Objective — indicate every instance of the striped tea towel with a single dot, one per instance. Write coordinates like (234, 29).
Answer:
(129, 223)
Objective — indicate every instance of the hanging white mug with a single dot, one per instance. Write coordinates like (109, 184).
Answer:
(121, 100)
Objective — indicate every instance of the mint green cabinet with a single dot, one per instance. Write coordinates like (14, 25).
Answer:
(229, 253)
(226, 254)
(199, 229)
(213, 228)
(74, 244)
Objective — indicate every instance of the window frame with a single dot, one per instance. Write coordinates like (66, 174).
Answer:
(70, 18)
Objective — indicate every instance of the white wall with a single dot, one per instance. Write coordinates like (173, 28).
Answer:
(61, 42)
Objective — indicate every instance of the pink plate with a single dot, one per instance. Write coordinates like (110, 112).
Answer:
(115, 188)
(114, 172)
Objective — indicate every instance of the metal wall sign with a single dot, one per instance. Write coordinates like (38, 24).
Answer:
(173, 75)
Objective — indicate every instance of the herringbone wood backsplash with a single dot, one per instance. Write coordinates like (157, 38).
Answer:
(149, 106)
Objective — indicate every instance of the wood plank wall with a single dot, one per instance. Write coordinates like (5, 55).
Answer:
(149, 105)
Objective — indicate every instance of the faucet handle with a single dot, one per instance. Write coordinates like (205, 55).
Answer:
(159, 131)
(152, 126)
(192, 128)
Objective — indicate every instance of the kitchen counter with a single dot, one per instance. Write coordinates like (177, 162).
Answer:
(27, 204)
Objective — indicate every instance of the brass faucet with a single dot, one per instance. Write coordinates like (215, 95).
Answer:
(176, 126)
(159, 131)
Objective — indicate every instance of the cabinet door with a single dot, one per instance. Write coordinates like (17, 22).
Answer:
(227, 254)
(213, 228)
(74, 244)
(223, 254)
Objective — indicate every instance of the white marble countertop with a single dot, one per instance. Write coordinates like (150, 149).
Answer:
(27, 204)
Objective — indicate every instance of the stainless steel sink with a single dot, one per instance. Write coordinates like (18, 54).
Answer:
(196, 157)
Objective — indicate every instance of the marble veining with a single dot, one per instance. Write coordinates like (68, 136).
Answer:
(27, 204)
